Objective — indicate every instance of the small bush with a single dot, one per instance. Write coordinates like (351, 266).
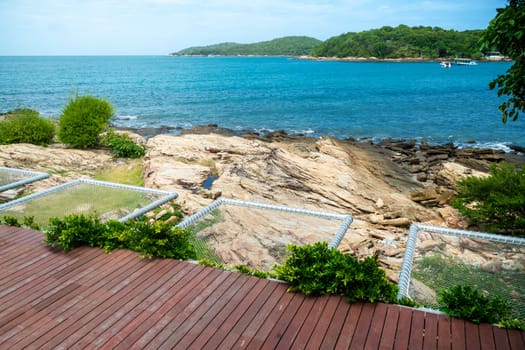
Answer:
(159, 239)
(82, 121)
(122, 145)
(28, 221)
(468, 303)
(74, 231)
(496, 203)
(10, 221)
(514, 323)
(246, 270)
(317, 269)
(26, 126)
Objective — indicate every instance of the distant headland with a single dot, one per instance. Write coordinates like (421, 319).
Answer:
(386, 43)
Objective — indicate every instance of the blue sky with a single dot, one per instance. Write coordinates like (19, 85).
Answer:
(153, 27)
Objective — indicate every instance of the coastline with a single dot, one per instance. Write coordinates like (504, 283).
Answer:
(385, 186)
(284, 135)
(369, 59)
(391, 60)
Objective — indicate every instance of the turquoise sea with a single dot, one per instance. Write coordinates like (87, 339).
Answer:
(372, 100)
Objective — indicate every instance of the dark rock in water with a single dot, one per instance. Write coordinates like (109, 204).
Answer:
(150, 132)
(208, 129)
(517, 148)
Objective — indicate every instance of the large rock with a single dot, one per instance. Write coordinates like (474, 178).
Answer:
(61, 163)
(317, 174)
(452, 172)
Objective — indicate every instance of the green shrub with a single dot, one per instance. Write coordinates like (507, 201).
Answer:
(159, 239)
(10, 221)
(496, 203)
(246, 270)
(317, 269)
(26, 126)
(74, 231)
(468, 303)
(82, 121)
(122, 145)
(514, 323)
(28, 221)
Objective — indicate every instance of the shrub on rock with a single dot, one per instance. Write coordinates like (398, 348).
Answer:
(82, 121)
(26, 126)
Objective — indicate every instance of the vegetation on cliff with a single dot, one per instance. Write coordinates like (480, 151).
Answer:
(383, 43)
(287, 46)
(506, 33)
(26, 126)
(82, 121)
(495, 203)
(402, 42)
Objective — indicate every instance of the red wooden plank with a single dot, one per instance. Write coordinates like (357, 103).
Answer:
(516, 339)
(196, 310)
(177, 309)
(472, 336)
(316, 324)
(94, 298)
(155, 277)
(27, 280)
(116, 300)
(417, 330)
(280, 326)
(296, 323)
(389, 330)
(37, 319)
(211, 313)
(349, 327)
(161, 285)
(444, 333)
(25, 264)
(431, 331)
(403, 328)
(363, 326)
(338, 307)
(30, 292)
(376, 327)
(258, 326)
(18, 257)
(501, 338)
(458, 334)
(219, 329)
(140, 324)
(486, 337)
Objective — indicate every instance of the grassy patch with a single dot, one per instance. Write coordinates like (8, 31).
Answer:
(437, 272)
(129, 173)
(204, 251)
(81, 199)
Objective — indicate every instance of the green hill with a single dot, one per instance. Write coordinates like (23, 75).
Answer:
(287, 46)
(402, 42)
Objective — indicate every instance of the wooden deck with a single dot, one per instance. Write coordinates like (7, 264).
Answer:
(89, 299)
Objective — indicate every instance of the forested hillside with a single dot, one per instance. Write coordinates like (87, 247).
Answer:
(287, 46)
(401, 42)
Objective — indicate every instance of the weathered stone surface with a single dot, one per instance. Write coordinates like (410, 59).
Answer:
(63, 164)
(451, 173)
(372, 183)
(323, 174)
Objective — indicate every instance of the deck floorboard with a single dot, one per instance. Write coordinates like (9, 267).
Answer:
(88, 299)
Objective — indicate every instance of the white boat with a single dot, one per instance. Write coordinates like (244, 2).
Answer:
(465, 62)
(445, 64)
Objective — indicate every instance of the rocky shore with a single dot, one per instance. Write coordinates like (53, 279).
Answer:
(385, 186)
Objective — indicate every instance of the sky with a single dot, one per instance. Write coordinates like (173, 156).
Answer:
(158, 27)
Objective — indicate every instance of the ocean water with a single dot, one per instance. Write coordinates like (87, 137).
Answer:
(362, 100)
